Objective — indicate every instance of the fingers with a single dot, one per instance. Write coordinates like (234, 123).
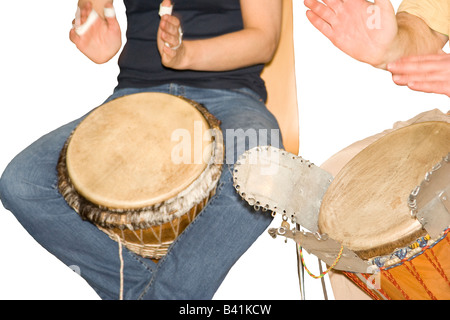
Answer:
(166, 3)
(165, 8)
(321, 16)
(170, 31)
(110, 17)
(333, 4)
(384, 5)
(88, 22)
(109, 11)
(325, 12)
(86, 17)
(421, 68)
(423, 73)
(84, 12)
(406, 79)
(419, 64)
(73, 35)
(170, 35)
(430, 87)
(320, 24)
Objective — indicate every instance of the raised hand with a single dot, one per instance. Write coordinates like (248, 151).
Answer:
(430, 73)
(169, 40)
(364, 30)
(102, 39)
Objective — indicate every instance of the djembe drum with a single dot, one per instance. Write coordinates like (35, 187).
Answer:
(384, 217)
(365, 210)
(141, 168)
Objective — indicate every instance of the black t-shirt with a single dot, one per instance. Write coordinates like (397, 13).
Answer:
(140, 61)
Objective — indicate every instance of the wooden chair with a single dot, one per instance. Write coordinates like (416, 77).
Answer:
(279, 75)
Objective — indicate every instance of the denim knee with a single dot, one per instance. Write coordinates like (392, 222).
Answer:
(7, 190)
(14, 188)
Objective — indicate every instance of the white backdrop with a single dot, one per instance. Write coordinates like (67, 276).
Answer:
(46, 82)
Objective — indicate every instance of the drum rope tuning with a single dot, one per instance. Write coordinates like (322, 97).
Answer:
(424, 248)
(322, 274)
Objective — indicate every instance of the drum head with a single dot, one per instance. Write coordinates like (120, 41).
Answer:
(365, 208)
(138, 150)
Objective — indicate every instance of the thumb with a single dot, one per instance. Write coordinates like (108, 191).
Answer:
(165, 8)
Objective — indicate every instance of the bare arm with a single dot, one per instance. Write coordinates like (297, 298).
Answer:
(415, 37)
(371, 32)
(255, 43)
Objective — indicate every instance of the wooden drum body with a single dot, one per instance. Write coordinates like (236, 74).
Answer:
(141, 168)
(365, 209)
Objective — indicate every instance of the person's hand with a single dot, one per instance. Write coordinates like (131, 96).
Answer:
(362, 29)
(430, 73)
(169, 41)
(102, 40)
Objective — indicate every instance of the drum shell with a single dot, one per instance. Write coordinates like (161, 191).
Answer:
(154, 242)
(424, 276)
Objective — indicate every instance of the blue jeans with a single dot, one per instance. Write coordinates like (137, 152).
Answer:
(198, 260)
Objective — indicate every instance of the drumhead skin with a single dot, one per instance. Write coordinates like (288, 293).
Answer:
(138, 150)
(365, 208)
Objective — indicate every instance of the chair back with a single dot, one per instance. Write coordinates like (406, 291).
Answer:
(279, 76)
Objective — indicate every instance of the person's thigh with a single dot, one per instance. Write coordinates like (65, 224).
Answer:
(29, 189)
(202, 255)
(199, 259)
(245, 120)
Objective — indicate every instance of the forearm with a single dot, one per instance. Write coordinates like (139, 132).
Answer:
(414, 37)
(231, 51)
(255, 43)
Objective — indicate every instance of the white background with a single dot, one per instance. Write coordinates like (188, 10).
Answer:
(46, 82)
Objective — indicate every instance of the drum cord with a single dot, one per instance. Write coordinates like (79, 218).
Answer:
(301, 276)
(121, 267)
(322, 280)
(301, 272)
(322, 274)
(302, 267)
